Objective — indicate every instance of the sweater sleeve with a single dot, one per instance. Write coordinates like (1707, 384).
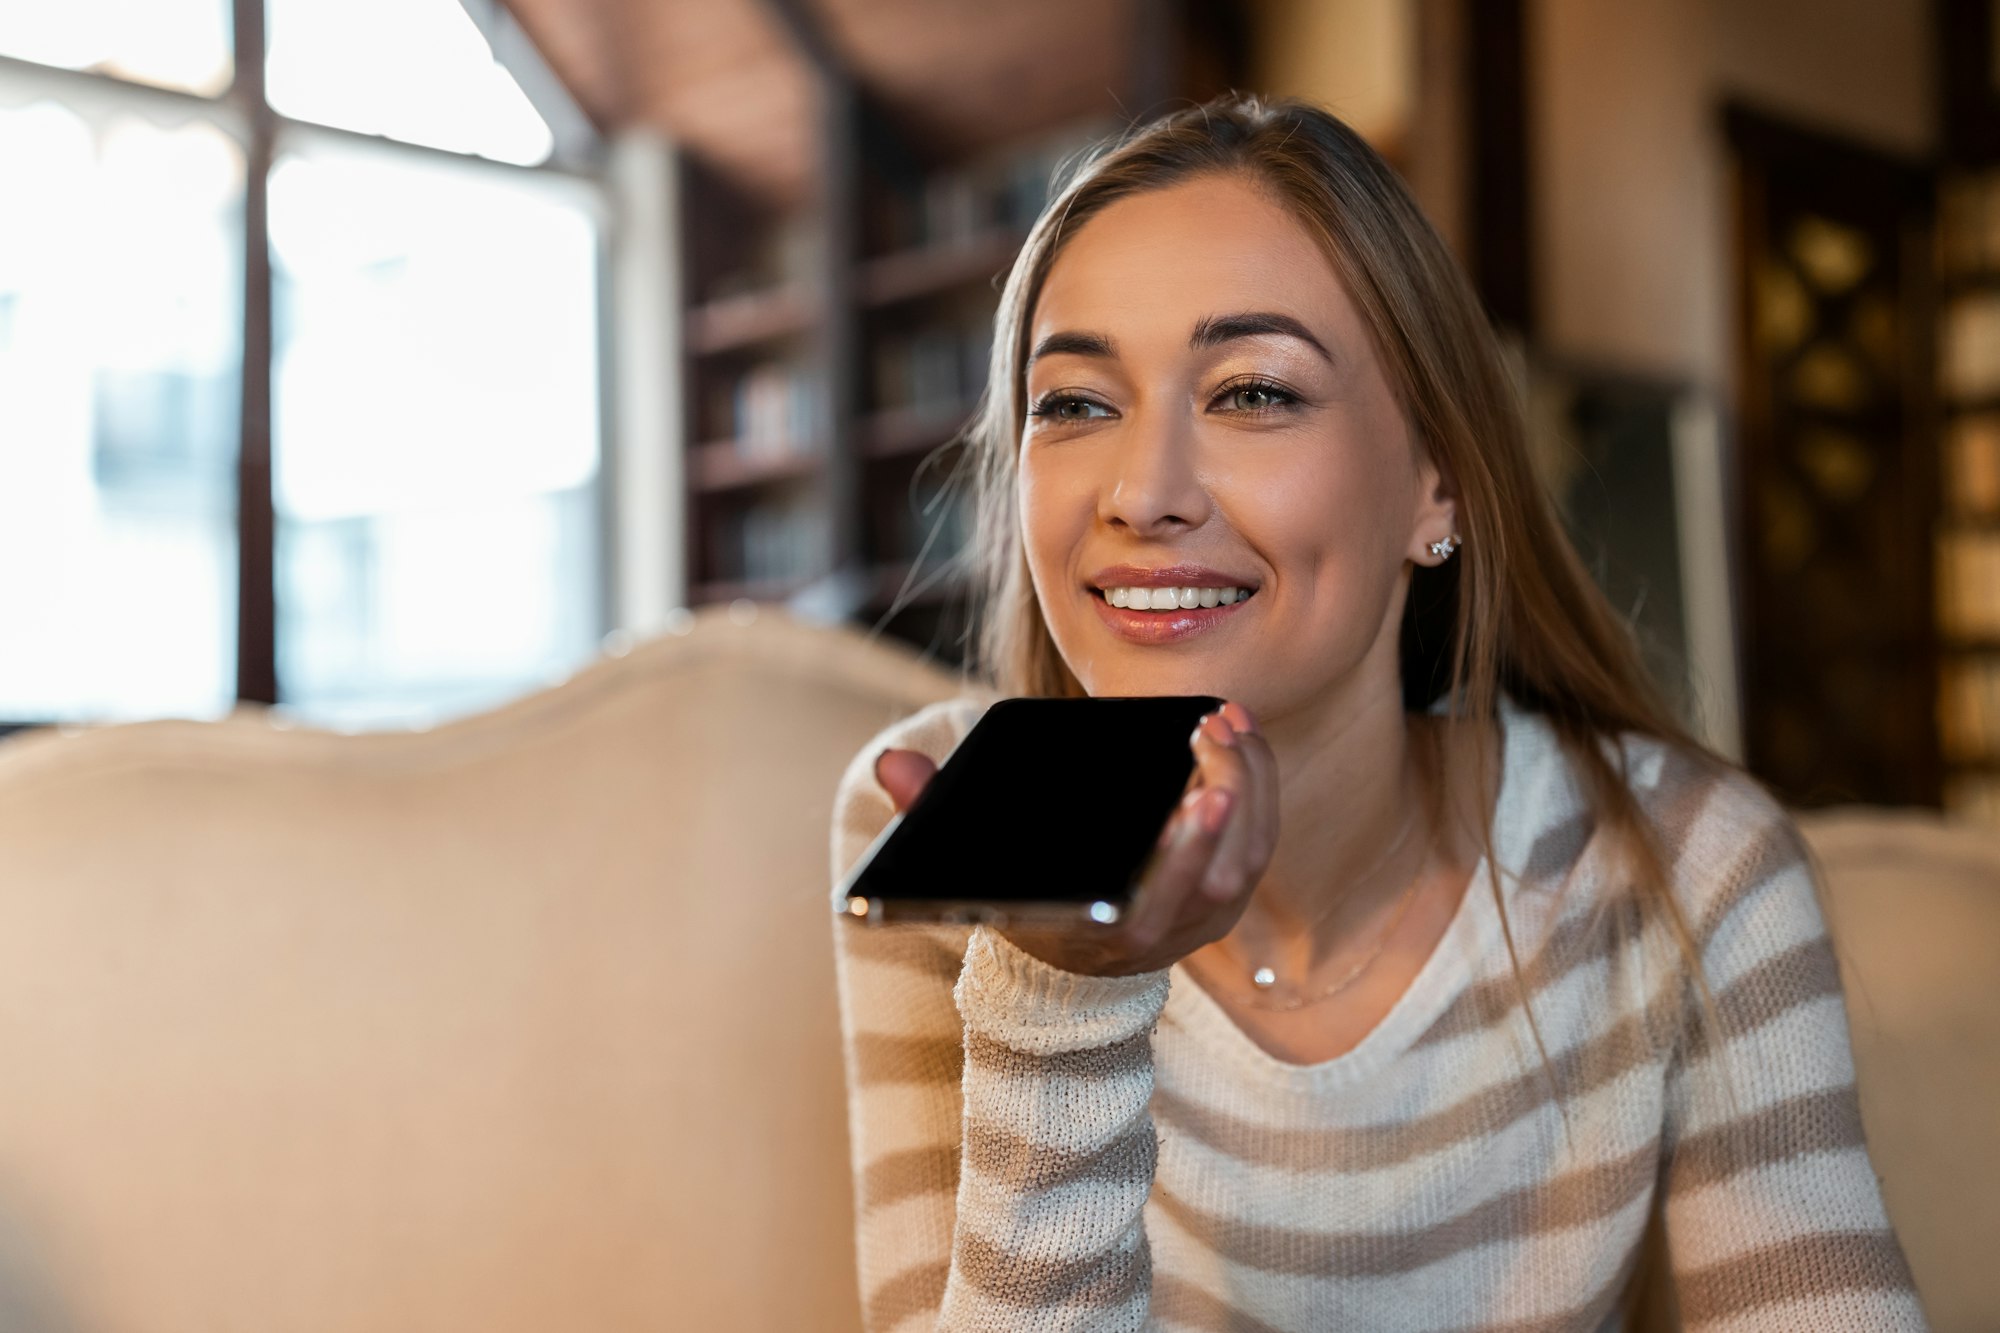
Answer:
(1774, 1214)
(997, 1113)
(1058, 1145)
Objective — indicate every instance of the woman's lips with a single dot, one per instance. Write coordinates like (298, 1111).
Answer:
(1156, 627)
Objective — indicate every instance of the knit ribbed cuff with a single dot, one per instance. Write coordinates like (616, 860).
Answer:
(1015, 998)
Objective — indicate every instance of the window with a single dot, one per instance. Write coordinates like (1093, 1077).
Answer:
(432, 353)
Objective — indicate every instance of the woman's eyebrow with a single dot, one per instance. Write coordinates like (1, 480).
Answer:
(1210, 331)
(1214, 330)
(1075, 343)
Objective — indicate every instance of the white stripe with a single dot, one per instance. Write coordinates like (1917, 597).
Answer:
(1066, 1222)
(1805, 1050)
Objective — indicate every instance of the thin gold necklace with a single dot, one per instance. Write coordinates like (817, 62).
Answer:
(1265, 977)
(1352, 974)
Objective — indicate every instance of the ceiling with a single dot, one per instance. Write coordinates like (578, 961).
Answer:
(725, 79)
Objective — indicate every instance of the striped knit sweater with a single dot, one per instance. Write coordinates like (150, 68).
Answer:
(1035, 1149)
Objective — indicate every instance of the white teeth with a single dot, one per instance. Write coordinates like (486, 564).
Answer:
(1173, 599)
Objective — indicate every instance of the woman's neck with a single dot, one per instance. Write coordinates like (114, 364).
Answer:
(1358, 822)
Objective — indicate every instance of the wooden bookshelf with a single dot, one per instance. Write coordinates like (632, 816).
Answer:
(899, 432)
(738, 323)
(1968, 526)
(903, 335)
(839, 311)
(726, 465)
(932, 270)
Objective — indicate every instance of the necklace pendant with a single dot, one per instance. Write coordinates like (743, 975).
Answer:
(1263, 978)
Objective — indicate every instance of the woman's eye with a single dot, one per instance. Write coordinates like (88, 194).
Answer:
(1255, 397)
(1069, 407)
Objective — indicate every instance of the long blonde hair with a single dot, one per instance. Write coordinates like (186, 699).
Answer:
(1515, 610)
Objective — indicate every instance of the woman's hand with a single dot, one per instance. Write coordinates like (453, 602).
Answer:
(1209, 858)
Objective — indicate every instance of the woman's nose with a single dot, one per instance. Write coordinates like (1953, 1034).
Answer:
(1151, 483)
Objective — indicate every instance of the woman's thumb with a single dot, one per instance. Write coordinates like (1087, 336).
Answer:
(903, 774)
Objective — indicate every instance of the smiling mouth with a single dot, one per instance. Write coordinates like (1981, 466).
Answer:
(1164, 600)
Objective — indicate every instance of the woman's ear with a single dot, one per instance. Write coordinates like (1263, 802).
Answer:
(1436, 517)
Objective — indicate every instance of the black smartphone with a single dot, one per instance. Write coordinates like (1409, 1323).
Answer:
(1048, 810)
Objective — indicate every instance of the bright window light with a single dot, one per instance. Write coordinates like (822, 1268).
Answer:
(435, 435)
(415, 70)
(181, 44)
(120, 249)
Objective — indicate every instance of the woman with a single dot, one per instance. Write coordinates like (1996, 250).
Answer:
(1335, 1070)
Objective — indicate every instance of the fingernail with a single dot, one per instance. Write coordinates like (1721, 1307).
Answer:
(1216, 727)
(878, 765)
(1216, 812)
(1240, 719)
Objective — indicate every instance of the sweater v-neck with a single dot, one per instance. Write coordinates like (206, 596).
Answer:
(1453, 962)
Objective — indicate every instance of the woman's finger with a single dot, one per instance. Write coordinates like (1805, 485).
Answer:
(903, 774)
(1186, 846)
(1225, 765)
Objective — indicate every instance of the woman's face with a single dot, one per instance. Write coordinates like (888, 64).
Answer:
(1203, 393)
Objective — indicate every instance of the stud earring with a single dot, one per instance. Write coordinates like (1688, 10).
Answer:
(1442, 550)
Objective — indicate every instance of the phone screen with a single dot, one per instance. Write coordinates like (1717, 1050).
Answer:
(1045, 803)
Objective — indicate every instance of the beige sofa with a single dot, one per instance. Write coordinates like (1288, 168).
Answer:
(527, 1023)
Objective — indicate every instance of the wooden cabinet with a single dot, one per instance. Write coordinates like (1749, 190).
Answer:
(826, 390)
(1968, 528)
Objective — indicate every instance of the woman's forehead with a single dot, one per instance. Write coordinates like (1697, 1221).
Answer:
(1163, 260)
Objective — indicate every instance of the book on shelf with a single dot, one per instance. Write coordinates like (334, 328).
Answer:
(1969, 351)
(780, 256)
(1969, 709)
(1969, 224)
(770, 541)
(1968, 584)
(1003, 191)
(769, 412)
(1972, 467)
(939, 367)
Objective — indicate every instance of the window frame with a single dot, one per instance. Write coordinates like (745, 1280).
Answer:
(244, 112)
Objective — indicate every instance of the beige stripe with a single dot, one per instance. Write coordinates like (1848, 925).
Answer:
(1772, 851)
(1554, 854)
(1802, 1268)
(1100, 1282)
(1577, 942)
(915, 1291)
(882, 1059)
(1183, 1303)
(1015, 1163)
(1814, 1122)
(902, 1175)
(1120, 1059)
(1805, 972)
(905, 949)
(1583, 938)
(1688, 785)
(1569, 1200)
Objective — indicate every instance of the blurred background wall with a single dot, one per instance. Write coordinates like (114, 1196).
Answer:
(383, 361)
